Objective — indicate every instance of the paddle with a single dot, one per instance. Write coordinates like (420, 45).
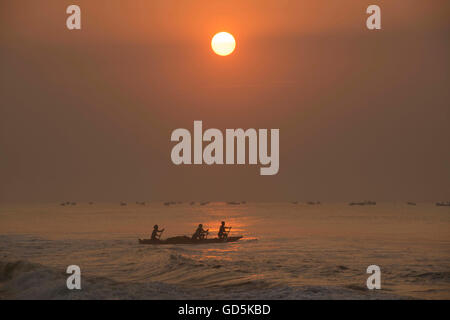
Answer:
(227, 232)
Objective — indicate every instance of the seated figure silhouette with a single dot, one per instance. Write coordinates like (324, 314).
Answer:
(156, 234)
(199, 233)
(223, 231)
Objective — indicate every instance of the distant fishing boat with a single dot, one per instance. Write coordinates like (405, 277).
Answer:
(123, 203)
(443, 204)
(411, 203)
(363, 203)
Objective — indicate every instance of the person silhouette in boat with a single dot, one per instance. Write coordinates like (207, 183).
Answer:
(156, 234)
(223, 231)
(199, 233)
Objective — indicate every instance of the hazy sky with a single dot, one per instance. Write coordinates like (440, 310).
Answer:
(87, 115)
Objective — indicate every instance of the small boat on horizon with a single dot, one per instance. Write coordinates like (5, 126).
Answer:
(363, 203)
(443, 204)
(188, 240)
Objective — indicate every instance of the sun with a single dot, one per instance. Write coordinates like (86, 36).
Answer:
(223, 43)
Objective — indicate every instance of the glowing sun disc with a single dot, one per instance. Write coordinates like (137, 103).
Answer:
(223, 43)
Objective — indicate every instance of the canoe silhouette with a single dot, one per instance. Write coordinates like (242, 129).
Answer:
(188, 240)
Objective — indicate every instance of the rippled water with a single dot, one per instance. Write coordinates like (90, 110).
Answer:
(289, 251)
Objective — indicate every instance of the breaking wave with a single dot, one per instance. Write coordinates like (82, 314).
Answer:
(25, 280)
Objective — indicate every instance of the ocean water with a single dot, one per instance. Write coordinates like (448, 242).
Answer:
(289, 251)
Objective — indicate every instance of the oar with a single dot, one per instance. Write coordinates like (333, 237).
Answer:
(228, 232)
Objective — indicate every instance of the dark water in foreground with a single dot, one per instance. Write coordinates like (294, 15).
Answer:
(288, 251)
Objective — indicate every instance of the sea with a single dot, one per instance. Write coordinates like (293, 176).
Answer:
(288, 251)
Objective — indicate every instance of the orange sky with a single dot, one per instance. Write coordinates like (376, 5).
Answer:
(88, 114)
(146, 21)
